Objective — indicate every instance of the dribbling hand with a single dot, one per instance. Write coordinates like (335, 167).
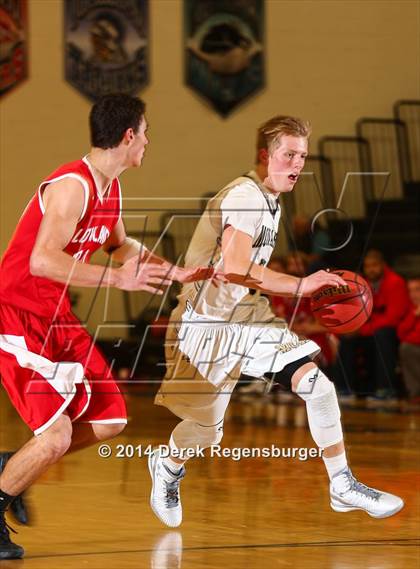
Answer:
(312, 283)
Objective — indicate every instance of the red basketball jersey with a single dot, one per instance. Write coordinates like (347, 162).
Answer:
(99, 216)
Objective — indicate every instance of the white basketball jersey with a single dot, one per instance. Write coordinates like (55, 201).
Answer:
(246, 205)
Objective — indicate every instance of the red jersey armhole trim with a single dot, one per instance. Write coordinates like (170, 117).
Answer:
(120, 195)
(68, 175)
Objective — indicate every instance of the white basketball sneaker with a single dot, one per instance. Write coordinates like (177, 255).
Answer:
(348, 494)
(164, 498)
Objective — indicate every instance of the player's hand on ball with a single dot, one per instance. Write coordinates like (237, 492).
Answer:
(134, 275)
(314, 282)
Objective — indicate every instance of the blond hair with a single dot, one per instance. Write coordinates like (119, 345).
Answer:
(270, 132)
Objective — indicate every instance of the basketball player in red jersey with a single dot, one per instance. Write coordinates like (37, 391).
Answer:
(55, 377)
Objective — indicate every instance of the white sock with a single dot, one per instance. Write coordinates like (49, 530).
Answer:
(173, 466)
(335, 463)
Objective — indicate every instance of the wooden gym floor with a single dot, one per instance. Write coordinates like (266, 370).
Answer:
(256, 513)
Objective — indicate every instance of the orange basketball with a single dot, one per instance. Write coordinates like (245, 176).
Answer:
(346, 308)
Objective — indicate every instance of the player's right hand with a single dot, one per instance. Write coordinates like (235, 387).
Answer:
(314, 282)
(135, 275)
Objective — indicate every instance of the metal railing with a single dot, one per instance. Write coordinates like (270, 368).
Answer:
(408, 111)
(349, 173)
(388, 145)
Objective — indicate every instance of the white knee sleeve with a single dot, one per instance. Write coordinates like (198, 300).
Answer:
(190, 435)
(322, 407)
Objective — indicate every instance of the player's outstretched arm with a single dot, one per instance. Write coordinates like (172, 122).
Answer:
(122, 248)
(63, 202)
(239, 268)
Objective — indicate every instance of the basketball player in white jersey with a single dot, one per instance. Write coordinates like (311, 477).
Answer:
(218, 333)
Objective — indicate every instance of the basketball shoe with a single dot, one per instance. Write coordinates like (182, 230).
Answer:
(18, 507)
(8, 549)
(348, 494)
(164, 498)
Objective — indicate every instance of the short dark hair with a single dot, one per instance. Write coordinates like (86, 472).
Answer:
(111, 116)
(376, 255)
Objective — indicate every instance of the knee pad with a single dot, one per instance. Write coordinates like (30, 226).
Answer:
(188, 434)
(284, 377)
(211, 435)
(320, 397)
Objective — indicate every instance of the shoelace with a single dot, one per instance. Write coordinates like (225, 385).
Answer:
(172, 495)
(360, 488)
(172, 488)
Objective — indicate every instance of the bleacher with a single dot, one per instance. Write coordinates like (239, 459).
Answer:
(370, 182)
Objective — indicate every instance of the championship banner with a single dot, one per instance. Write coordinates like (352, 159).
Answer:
(224, 50)
(13, 44)
(106, 43)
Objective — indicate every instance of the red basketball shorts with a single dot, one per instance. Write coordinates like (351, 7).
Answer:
(47, 369)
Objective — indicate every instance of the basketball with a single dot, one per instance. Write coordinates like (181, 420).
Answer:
(343, 309)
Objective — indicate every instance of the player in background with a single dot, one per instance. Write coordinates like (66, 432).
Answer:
(56, 378)
(219, 333)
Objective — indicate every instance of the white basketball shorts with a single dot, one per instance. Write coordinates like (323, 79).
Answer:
(205, 358)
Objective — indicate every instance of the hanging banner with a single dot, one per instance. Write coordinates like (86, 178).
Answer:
(106, 44)
(13, 44)
(224, 50)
